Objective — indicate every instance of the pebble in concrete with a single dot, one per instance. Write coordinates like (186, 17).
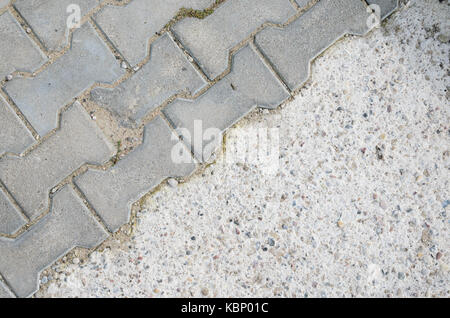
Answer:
(112, 192)
(211, 39)
(4, 291)
(49, 18)
(88, 61)
(14, 136)
(68, 225)
(167, 73)
(130, 27)
(291, 49)
(17, 51)
(29, 179)
(10, 219)
(249, 84)
(386, 6)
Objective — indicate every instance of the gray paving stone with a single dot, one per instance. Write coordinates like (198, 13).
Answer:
(130, 27)
(210, 40)
(387, 6)
(69, 224)
(87, 62)
(249, 84)
(48, 18)
(29, 179)
(112, 192)
(291, 49)
(10, 219)
(17, 51)
(14, 136)
(302, 3)
(3, 3)
(168, 72)
(5, 292)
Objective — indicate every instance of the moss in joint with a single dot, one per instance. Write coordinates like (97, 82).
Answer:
(116, 157)
(193, 13)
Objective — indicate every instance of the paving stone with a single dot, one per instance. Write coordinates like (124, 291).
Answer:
(10, 219)
(87, 62)
(210, 40)
(249, 84)
(69, 224)
(387, 6)
(29, 179)
(302, 3)
(130, 27)
(112, 192)
(291, 49)
(168, 72)
(5, 292)
(14, 136)
(48, 18)
(17, 50)
(3, 3)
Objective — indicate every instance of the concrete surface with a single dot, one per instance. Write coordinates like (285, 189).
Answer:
(358, 207)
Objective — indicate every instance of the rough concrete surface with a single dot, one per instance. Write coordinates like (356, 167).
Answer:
(358, 207)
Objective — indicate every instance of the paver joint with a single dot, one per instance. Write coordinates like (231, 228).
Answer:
(58, 188)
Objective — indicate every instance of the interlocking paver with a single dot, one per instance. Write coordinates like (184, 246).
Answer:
(14, 136)
(17, 51)
(168, 72)
(4, 292)
(10, 219)
(48, 18)
(302, 3)
(3, 3)
(130, 27)
(29, 179)
(112, 192)
(210, 40)
(291, 49)
(88, 61)
(387, 6)
(29, 176)
(69, 224)
(249, 84)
